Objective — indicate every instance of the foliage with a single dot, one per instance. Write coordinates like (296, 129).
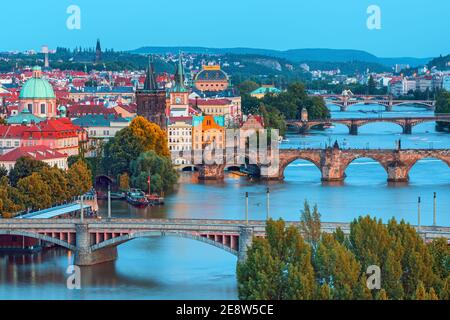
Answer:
(410, 269)
(124, 181)
(36, 193)
(278, 267)
(10, 199)
(443, 106)
(150, 136)
(79, 178)
(24, 167)
(162, 174)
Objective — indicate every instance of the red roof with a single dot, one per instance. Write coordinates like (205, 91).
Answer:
(82, 110)
(35, 152)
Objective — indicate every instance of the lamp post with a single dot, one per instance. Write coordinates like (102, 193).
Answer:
(81, 209)
(268, 204)
(434, 209)
(418, 214)
(109, 201)
(246, 208)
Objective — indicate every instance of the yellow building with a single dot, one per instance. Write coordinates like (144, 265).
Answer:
(211, 78)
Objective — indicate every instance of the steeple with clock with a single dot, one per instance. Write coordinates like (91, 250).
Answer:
(179, 94)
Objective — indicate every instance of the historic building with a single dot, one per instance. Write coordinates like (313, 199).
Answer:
(179, 94)
(208, 130)
(228, 108)
(37, 96)
(43, 153)
(151, 101)
(180, 139)
(211, 78)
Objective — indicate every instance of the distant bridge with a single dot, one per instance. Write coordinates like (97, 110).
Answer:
(95, 240)
(344, 101)
(406, 123)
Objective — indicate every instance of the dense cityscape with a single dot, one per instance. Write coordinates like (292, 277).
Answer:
(177, 172)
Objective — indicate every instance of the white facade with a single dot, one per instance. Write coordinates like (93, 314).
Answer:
(180, 139)
(446, 83)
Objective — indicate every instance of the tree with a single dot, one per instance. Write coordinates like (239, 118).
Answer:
(273, 119)
(247, 86)
(36, 193)
(24, 167)
(150, 135)
(79, 179)
(443, 107)
(57, 181)
(163, 176)
(120, 151)
(11, 200)
(277, 267)
(371, 85)
(124, 181)
(3, 172)
(310, 225)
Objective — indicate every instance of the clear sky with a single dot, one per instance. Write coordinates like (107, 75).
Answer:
(419, 28)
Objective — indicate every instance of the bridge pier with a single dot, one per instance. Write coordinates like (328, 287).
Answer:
(388, 107)
(84, 256)
(343, 108)
(245, 241)
(353, 129)
(332, 173)
(211, 172)
(397, 173)
(407, 129)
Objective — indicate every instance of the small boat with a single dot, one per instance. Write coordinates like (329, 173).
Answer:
(118, 195)
(328, 126)
(137, 198)
(155, 200)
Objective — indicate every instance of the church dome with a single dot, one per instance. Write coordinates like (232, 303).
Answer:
(211, 75)
(36, 87)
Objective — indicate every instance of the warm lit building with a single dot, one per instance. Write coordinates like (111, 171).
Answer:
(249, 127)
(37, 96)
(211, 78)
(42, 153)
(180, 138)
(225, 107)
(207, 130)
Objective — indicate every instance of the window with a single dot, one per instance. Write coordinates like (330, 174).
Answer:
(43, 108)
(30, 107)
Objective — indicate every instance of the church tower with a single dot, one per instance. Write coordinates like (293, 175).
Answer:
(179, 94)
(151, 101)
(98, 52)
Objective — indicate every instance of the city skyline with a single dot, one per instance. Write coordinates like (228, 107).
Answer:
(332, 25)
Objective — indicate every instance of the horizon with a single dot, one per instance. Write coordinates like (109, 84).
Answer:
(136, 25)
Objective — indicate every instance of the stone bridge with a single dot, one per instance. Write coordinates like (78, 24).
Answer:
(333, 161)
(406, 123)
(95, 240)
(344, 101)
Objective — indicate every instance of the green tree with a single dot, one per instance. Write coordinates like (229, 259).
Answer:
(443, 107)
(36, 193)
(120, 151)
(371, 85)
(277, 267)
(11, 200)
(24, 167)
(150, 135)
(310, 225)
(3, 172)
(247, 86)
(57, 181)
(163, 176)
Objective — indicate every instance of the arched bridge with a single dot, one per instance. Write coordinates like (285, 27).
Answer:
(95, 240)
(333, 161)
(344, 101)
(406, 123)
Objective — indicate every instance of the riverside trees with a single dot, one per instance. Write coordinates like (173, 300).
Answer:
(333, 266)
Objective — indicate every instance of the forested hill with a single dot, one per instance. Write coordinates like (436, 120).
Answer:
(294, 55)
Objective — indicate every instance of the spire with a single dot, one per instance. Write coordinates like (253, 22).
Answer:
(179, 76)
(150, 80)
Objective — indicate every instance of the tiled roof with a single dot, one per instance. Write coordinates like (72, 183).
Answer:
(35, 152)
(95, 120)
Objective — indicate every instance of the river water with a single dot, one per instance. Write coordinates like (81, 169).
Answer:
(174, 268)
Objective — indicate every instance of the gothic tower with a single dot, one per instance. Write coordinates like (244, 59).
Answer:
(98, 52)
(151, 101)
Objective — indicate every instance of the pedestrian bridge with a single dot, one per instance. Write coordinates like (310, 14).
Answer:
(95, 240)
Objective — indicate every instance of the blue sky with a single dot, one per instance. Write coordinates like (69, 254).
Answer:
(416, 28)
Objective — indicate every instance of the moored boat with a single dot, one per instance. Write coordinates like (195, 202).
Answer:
(137, 198)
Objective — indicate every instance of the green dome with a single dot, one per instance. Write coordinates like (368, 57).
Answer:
(37, 88)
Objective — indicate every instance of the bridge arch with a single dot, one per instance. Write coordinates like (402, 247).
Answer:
(417, 104)
(38, 236)
(148, 234)
(382, 120)
(286, 162)
(379, 161)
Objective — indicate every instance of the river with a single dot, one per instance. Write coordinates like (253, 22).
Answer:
(175, 268)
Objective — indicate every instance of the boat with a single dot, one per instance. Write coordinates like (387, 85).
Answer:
(118, 195)
(154, 199)
(137, 198)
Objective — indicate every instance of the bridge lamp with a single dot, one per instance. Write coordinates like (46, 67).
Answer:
(246, 208)
(434, 208)
(418, 214)
(267, 203)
